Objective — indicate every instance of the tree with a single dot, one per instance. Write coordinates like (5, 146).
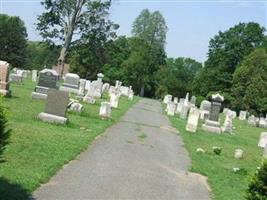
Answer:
(250, 83)
(149, 29)
(176, 76)
(13, 40)
(226, 51)
(63, 18)
(40, 54)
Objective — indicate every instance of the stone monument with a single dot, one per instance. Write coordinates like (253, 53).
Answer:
(192, 121)
(4, 78)
(56, 106)
(71, 83)
(212, 124)
(105, 110)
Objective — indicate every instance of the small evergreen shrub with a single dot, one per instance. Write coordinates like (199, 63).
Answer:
(257, 188)
(4, 131)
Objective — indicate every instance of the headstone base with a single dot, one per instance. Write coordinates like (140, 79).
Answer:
(52, 118)
(37, 95)
(212, 126)
(68, 89)
(90, 100)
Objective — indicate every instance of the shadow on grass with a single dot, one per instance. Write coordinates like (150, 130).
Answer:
(10, 191)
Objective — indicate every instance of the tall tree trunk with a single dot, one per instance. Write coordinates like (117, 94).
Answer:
(61, 60)
(142, 90)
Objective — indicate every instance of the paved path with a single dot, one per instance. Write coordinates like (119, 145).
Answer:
(141, 157)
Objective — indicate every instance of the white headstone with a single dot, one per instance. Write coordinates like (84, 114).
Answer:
(242, 115)
(192, 121)
(263, 140)
(105, 110)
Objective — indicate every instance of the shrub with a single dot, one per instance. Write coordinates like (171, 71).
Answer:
(4, 131)
(257, 188)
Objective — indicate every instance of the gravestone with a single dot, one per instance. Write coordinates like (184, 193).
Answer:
(34, 75)
(184, 111)
(171, 108)
(253, 121)
(180, 105)
(262, 123)
(242, 115)
(192, 121)
(48, 79)
(100, 77)
(124, 91)
(105, 87)
(131, 95)
(167, 98)
(4, 78)
(114, 100)
(81, 92)
(175, 100)
(193, 100)
(56, 106)
(263, 140)
(97, 90)
(228, 123)
(205, 107)
(212, 124)
(16, 78)
(105, 110)
(90, 96)
(71, 83)
(87, 85)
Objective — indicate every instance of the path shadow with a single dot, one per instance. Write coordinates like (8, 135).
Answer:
(10, 191)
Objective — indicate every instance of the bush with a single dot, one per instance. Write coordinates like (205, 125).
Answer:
(4, 131)
(257, 189)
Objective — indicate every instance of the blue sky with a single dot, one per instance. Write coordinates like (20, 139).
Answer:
(191, 24)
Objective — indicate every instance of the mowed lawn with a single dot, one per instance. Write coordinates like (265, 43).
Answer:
(225, 184)
(37, 150)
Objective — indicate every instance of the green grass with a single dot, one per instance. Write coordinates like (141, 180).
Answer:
(37, 150)
(142, 137)
(225, 184)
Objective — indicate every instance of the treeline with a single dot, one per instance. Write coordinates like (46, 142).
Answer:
(236, 64)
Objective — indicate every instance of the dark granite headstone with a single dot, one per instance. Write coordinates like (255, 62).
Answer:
(57, 102)
(215, 109)
(48, 79)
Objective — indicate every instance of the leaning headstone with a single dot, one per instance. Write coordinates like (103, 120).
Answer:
(263, 123)
(171, 108)
(75, 106)
(212, 124)
(263, 139)
(184, 111)
(180, 106)
(228, 123)
(4, 78)
(242, 115)
(34, 75)
(56, 106)
(71, 83)
(167, 98)
(105, 110)
(48, 79)
(192, 121)
(114, 100)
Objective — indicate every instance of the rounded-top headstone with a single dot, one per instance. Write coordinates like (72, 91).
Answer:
(217, 97)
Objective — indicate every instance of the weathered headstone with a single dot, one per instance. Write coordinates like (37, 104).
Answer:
(114, 100)
(263, 123)
(71, 83)
(56, 106)
(16, 78)
(238, 153)
(184, 111)
(75, 106)
(105, 87)
(242, 115)
(180, 106)
(34, 75)
(4, 78)
(253, 121)
(105, 110)
(131, 95)
(192, 121)
(100, 77)
(48, 79)
(167, 98)
(81, 92)
(263, 140)
(193, 100)
(171, 108)
(87, 85)
(228, 123)
(205, 107)
(90, 96)
(212, 124)
(175, 100)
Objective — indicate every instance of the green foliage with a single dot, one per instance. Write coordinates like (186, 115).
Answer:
(40, 54)
(4, 131)
(176, 76)
(250, 83)
(217, 150)
(257, 189)
(13, 40)
(226, 51)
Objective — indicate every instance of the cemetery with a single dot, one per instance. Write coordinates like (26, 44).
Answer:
(156, 101)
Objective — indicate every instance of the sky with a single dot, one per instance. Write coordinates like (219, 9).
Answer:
(191, 23)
